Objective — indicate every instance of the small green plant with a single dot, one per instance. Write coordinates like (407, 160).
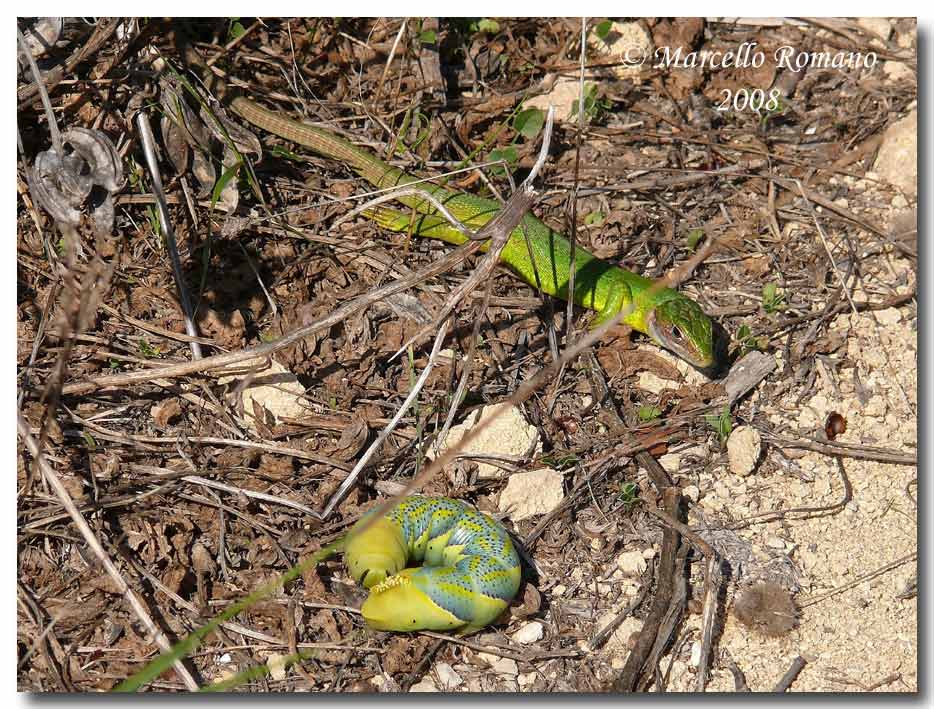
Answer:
(234, 29)
(772, 299)
(508, 155)
(484, 25)
(595, 218)
(602, 29)
(694, 238)
(422, 128)
(594, 108)
(529, 122)
(629, 495)
(749, 342)
(648, 412)
(722, 423)
(147, 350)
(427, 36)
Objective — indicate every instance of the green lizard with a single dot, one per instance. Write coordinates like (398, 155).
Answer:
(671, 319)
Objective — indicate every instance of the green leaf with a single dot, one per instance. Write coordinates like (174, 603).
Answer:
(629, 494)
(488, 25)
(772, 300)
(722, 423)
(235, 30)
(694, 238)
(595, 218)
(427, 36)
(648, 412)
(222, 181)
(507, 154)
(529, 122)
(603, 29)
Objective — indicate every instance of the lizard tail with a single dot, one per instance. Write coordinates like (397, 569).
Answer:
(368, 166)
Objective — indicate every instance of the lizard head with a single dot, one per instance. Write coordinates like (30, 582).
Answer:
(678, 324)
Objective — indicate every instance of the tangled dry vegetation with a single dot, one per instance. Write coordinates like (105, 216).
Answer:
(754, 531)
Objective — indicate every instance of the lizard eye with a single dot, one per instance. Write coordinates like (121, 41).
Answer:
(676, 332)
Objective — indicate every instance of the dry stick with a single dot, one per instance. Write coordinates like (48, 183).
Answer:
(713, 581)
(40, 87)
(266, 349)
(209, 441)
(596, 642)
(569, 325)
(847, 450)
(628, 678)
(859, 579)
(499, 233)
(129, 595)
(392, 54)
(739, 679)
(791, 675)
(713, 584)
(168, 232)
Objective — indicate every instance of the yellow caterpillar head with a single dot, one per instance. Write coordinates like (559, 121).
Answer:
(376, 552)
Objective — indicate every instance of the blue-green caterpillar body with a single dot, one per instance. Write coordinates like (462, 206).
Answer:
(470, 569)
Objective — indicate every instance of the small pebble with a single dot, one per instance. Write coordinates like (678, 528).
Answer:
(529, 633)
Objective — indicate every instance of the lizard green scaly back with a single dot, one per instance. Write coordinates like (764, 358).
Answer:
(671, 319)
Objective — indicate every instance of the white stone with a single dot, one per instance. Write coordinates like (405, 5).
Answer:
(276, 664)
(743, 448)
(655, 384)
(564, 92)
(899, 202)
(509, 435)
(626, 43)
(447, 677)
(877, 25)
(529, 633)
(775, 543)
(897, 70)
(670, 462)
(631, 562)
(530, 494)
(897, 160)
(619, 639)
(425, 685)
(274, 388)
(504, 666)
(692, 492)
(889, 317)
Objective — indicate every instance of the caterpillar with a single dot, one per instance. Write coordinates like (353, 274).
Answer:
(469, 574)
